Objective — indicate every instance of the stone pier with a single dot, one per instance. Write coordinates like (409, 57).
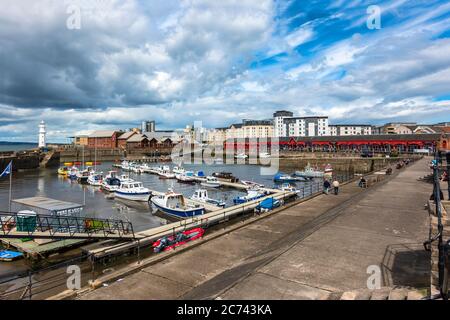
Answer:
(322, 246)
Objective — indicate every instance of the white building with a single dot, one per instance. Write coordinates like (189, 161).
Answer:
(286, 125)
(350, 129)
(42, 135)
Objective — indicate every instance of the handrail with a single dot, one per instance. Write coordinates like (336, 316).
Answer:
(48, 226)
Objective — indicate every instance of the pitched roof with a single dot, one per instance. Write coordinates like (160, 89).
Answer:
(127, 135)
(102, 134)
(137, 138)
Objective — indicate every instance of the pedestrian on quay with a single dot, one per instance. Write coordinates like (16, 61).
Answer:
(336, 187)
(362, 182)
(326, 186)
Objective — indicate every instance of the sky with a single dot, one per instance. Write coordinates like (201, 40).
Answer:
(85, 65)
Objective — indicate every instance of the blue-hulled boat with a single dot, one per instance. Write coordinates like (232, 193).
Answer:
(173, 204)
(283, 178)
(7, 255)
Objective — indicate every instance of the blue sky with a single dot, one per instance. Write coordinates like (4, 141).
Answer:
(177, 62)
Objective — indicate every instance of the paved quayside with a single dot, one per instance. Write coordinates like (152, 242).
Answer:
(304, 252)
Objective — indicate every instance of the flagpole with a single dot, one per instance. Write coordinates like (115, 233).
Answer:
(10, 185)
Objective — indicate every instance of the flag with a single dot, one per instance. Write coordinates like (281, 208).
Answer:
(7, 171)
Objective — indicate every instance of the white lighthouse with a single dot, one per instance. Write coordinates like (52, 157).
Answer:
(42, 132)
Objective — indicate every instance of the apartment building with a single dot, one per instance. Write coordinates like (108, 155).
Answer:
(350, 129)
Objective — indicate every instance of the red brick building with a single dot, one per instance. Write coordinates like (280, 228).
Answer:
(107, 139)
(122, 140)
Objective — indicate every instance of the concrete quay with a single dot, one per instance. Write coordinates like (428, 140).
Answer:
(306, 251)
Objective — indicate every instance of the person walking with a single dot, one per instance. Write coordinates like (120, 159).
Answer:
(326, 186)
(336, 187)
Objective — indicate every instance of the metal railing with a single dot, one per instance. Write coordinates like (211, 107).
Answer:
(16, 225)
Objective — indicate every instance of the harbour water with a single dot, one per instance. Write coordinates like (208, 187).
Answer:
(17, 147)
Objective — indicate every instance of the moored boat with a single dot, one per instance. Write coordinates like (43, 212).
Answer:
(225, 176)
(250, 196)
(133, 190)
(282, 178)
(95, 179)
(110, 184)
(252, 184)
(174, 204)
(186, 177)
(63, 171)
(309, 172)
(170, 242)
(201, 195)
(264, 155)
(178, 170)
(241, 156)
(211, 182)
(268, 204)
(73, 173)
(166, 174)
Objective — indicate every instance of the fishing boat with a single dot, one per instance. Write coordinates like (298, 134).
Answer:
(166, 174)
(186, 177)
(95, 180)
(174, 204)
(250, 196)
(282, 178)
(63, 171)
(83, 176)
(133, 190)
(309, 172)
(241, 156)
(225, 176)
(211, 182)
(73, 173)
(178, 170)
(125, 178)
(171, 242)
(202, 196)
(111, 184)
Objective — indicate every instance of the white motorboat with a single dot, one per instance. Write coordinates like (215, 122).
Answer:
(136, 169)
(125, 178)
(252, 184)
(187, 177)
(250, 196)
(95, 179)
(125, 165)
(166, 174)
(201, 195)
(174, 204)
(133, 190)
(178, 170)
(211, 182)
(309, 172)
(264, 155)
(241, 156)
(145, 168)
(286, 187)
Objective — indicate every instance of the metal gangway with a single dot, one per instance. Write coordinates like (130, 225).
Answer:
(38, 226)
